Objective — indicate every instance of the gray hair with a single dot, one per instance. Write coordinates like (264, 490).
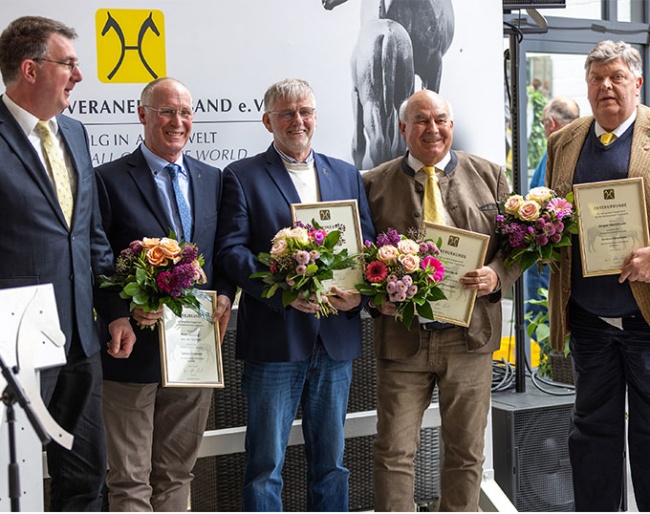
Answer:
(563, 109)
(607, 51)
(288, 89)
(27, 38)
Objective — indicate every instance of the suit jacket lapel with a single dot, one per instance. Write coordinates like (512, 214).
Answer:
(280, 176)
(33, 167)
(144, 181)
(640, 155)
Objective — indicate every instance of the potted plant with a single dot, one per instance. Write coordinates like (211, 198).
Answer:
(555, 365)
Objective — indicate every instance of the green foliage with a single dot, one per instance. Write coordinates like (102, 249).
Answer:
(539, 330)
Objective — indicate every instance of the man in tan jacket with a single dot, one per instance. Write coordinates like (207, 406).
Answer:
(410, 363)
(607, 316)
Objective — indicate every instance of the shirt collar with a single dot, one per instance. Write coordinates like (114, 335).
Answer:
(26, 120)
(620, 130)
(286, 158)
(157, 164)
(417, 165)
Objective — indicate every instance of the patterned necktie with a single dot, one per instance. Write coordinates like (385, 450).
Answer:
(433, 208)
(181, 204)
(57, 169)
(606, 138)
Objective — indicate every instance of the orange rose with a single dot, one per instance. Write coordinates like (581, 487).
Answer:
(156, 257)
(170, 247)
(150, 242)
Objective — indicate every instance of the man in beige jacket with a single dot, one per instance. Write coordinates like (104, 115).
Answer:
(607, 316)
(410, 363)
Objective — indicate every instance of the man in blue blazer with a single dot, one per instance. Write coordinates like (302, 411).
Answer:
(40, 244)
(290, 356)
(153, 433)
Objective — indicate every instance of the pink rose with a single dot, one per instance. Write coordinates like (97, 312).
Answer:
(408, 246)
(528, 211)
(387, 253)
(513, 203)
(279, 247)
(410, 262)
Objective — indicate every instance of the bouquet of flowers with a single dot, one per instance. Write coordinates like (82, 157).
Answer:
(301, 258)
(406, 270)
(534, 227)
(157, 271)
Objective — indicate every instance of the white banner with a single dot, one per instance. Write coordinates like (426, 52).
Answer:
(228, 52)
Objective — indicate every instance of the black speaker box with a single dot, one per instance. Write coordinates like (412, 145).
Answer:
(530, 448)
(218, 481)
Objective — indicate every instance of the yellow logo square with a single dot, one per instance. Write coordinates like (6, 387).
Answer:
(130, 45)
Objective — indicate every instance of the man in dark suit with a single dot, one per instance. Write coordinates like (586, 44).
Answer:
(290, 357)
(608, 316)
(410, 363)
(153, 433)
(53, 234)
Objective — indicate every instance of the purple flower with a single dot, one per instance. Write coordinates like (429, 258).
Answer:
(319, 236)
(391, 237)
(189, 253)
(301, 256)
(301, 269)
(541, 240)
(368, 243)
(556, 238)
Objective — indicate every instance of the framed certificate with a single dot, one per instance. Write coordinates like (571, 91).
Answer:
(612, 222)
(460, 251)
(190, 350)
(342, 215)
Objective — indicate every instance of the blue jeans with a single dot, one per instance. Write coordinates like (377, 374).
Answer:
(609, 363)
(273, 391)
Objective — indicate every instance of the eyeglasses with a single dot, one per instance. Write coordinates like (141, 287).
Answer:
(168, 112)
(71, 65)
(306, 113)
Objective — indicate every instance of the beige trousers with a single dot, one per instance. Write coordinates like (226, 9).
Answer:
(404, 390)
(153, 436)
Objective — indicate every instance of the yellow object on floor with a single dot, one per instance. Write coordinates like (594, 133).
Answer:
(507, 351)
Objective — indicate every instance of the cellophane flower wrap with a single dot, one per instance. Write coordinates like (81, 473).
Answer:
(404, 270)
(301, 258)
(153, 272)
(533, 228)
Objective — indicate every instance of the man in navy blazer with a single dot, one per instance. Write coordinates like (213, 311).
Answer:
(153, 433)
(38, 245)
(290, 357)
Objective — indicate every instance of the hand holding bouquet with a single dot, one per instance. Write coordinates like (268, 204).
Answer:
(404, 270)
(154, 272)
(301, 258)
(535, 227)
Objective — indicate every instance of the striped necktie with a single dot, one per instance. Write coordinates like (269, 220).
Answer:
(434, 210)
(57, 169)
(181, 204)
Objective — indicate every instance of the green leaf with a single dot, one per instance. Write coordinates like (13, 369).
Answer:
(407, 315)
(425, 310)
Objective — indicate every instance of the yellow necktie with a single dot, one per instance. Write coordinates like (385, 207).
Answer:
(606, 138)
(57, 169)
(433, 208)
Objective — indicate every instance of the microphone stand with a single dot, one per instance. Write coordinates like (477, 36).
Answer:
(14, 393)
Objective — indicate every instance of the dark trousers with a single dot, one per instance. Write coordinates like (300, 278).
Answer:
(72, 394)
(609, 362)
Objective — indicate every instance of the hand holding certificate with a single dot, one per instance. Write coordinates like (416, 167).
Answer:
(613, 222)
(462, 251)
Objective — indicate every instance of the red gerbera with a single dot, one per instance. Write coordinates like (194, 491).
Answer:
(376, 271)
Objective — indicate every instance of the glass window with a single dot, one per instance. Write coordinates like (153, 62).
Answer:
(589, 9)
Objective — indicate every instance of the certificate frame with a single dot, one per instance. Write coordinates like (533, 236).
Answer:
(612, 222)
(190, 347)
(341, 215)
(460, 251)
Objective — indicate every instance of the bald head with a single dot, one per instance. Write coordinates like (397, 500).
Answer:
(560, 111)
